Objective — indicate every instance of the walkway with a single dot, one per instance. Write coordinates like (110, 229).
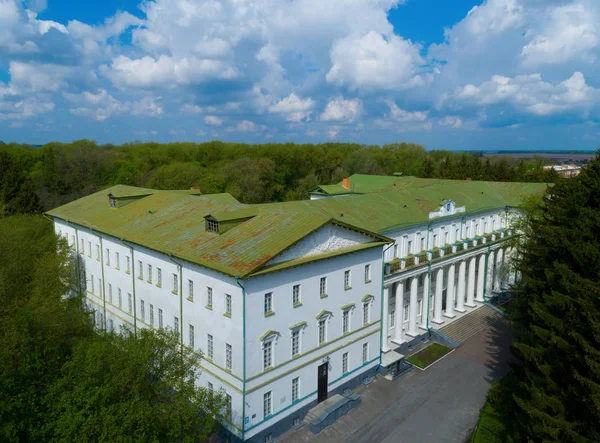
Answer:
(441, 404)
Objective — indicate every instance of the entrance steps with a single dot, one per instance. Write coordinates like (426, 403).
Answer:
(317, 410)
(471, 324)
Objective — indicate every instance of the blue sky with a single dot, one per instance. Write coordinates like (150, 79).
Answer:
(497, 74)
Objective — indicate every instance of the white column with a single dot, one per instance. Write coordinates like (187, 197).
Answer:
(489, 283)
(498, 273)
(450, 292)
(399, 316)
(480, 278)
(439, 288)
(425, 302)
(471, 282)
(384, 320)
(460, 290)
(412, 309)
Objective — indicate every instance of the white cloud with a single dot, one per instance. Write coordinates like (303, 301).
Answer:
(246, 126)
(102, 105)
(293, 108)
(38, 77)
(213, 120)
(533, 95)
(402, 120)
(375, 61)
(191, 109)
(568, 32)
(451, 120)
(340, 109)
(165, 71)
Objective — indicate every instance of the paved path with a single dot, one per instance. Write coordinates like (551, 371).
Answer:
(440, 404)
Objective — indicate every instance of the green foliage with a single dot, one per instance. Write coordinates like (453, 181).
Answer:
(556, 396)
(60, 381)
(427, 356)
(33, 179)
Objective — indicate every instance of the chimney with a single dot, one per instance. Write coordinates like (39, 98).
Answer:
(468, 179)
(197, 189)
(346, 183)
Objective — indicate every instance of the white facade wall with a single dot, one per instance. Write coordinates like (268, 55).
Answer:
(278, 380)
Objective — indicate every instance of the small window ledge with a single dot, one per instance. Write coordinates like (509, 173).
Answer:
(324, 295)
(174, 292)
(227, 314)
(297, 305)
(208, 307)
(190, 299)
(347, 288)
(269, 313)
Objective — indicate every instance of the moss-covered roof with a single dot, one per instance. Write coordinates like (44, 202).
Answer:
(172, 222)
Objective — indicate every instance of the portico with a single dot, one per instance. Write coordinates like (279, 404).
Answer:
(438, 292)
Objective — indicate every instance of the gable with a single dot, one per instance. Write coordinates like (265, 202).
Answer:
(328, 238)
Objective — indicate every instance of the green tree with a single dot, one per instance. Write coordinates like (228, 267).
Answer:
(556, 396)
(123, 387)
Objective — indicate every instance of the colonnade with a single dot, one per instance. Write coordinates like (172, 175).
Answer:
(448, 288)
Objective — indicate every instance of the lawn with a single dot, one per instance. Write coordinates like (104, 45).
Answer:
(493, 422)
(427, 356)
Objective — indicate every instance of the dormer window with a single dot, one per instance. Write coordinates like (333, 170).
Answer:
(112, 201)
(212, 225)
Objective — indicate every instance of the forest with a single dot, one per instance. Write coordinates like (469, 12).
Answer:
(36, 179)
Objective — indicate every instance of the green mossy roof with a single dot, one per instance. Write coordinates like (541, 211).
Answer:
(172, 222)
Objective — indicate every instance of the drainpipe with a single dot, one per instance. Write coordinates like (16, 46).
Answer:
(427, 311)
(180, 266)
(381, 309)
(243, 356)
(133, 284)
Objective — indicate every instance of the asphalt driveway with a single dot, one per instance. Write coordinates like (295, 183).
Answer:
(440, 404)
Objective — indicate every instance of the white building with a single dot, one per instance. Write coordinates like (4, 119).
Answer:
(285, 300)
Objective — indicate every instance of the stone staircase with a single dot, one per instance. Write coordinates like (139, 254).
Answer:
(317, 410)
(471, 324)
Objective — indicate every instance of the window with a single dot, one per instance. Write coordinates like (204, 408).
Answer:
(191, 337)
(296, 295)
(267, 355)
(446, 235)
(392, 318)
(323, 285)
(130, 299)
(176, 325)
(344, 362)
(209, 346)
(142, 310)
(128, 264)
(347, 280)
(422, 244)
(151, 315)
(160, 318)
(395, 251)
(365, 355)
(485, 227)
(212, 225)
(269, 438)
(158, 277)
(120, 298)
(92, 280)
(295, 343)
(101, 323)
(367, 273)
(366, 310)
(85, 285)
(268, 303)
(457, 233)
(267, 406)
(82, 247)
(175, 283)
(409, 249)
(346, 321)
(405, 312)
(100, 287)
(107, 257)
(117, 260)
(140, 270)
(110, 293)
(295, 389)
(322, 330)
(209, 297)
(228, 304)
(476, 228)
(228, 405)
(149, 273)
(73, 241)
(111, 325)
(191, 290)
(210, 387)
(228, 356)
(435, 237)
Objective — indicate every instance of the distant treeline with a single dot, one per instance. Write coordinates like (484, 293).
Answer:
(34, 179)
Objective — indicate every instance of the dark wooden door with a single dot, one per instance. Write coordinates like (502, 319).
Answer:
(444, 301)
(322, 382)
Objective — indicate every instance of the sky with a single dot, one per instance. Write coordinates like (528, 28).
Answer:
(460, 74)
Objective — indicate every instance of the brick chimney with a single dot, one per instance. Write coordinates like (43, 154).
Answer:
(195, 188)
(346, 183)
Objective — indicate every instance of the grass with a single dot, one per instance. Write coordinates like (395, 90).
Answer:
(427, 356)
(493, 421)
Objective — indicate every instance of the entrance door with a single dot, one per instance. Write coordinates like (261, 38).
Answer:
(322, 382)
(444, 301)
